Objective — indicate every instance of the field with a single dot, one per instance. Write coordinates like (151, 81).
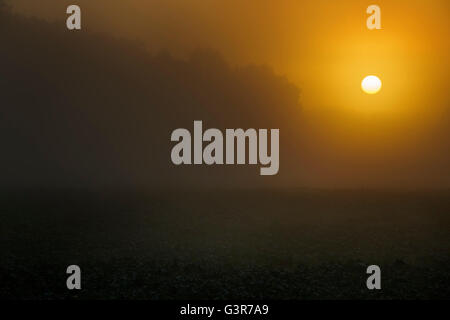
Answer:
(260, 244)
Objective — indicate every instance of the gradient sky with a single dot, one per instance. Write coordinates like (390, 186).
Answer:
(398, 137)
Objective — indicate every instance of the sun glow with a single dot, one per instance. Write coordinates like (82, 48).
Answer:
(371, 84)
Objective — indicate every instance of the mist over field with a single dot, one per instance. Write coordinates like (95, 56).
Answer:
(87, 179)
(296, 244)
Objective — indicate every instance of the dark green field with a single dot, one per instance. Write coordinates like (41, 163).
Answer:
(290, 244)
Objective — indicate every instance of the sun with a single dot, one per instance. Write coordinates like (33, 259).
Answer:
(371, 84)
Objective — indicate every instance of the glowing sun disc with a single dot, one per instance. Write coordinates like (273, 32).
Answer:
(371, 84)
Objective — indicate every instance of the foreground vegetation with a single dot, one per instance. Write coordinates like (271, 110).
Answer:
(296, 244)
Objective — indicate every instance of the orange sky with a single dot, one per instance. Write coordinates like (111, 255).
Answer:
(396, 137)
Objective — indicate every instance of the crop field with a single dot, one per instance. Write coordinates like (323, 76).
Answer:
(217, 244)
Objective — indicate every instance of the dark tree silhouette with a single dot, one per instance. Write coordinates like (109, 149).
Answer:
(88, 109)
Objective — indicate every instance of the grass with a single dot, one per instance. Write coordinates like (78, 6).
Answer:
(285, 244)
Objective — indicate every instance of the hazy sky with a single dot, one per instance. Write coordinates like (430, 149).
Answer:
(399, 135)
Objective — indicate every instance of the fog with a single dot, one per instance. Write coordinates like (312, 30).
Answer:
(108, 97)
